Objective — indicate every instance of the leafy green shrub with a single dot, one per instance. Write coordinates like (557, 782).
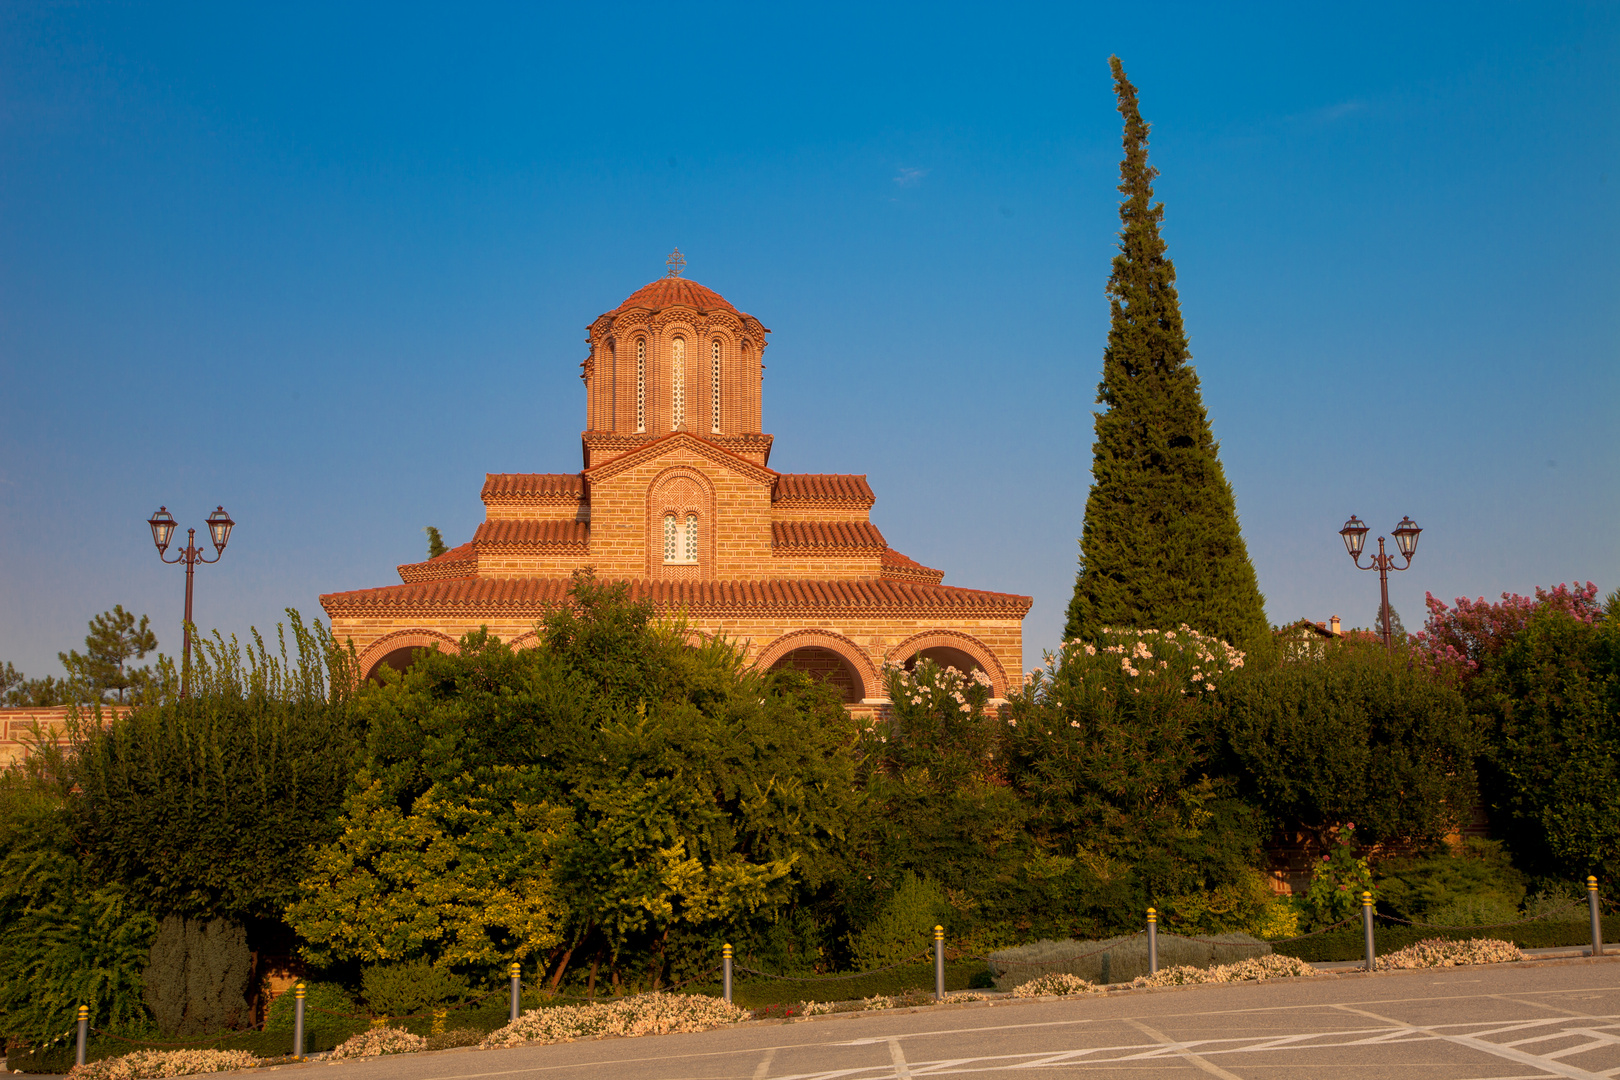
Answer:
(331, 997)
(65, 938)
(1552, 764)
(904, 926)
(1118, 959)
(197, 976)
(403, 989)
(1418, 887)
(208, 806)
(1352, 736)
(1337, 882)
(449, 1040)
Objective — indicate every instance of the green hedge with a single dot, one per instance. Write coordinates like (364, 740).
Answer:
(1347, 944)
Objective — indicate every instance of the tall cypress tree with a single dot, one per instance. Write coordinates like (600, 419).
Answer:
(1161, 545)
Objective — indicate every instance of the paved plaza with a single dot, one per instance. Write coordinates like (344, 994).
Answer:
(1548, 1019)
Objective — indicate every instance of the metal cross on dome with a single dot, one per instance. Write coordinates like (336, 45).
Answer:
(676, 263)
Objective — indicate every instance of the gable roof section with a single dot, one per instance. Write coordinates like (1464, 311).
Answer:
(898, 567)
(822, 490)
(550, 535)
(549, 488)
(680, 440)
(533, 597)
(459, 561)
(806, 537)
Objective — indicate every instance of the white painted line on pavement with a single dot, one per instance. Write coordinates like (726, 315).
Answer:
(899, 1059)
(1184, 1053)
(1558, 1068)
(765, 1066)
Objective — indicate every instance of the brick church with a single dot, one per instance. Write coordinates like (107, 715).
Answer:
(677, 497)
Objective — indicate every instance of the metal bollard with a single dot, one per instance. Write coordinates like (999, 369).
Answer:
(1597, 919)
(298, 1022)
(517, 989)
(84, 1032)
(1367, 928)
(725, 973)
(939, 963)
(1153, 941)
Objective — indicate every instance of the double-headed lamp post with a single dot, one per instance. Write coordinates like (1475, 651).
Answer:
(219, 529)
(1406, 538)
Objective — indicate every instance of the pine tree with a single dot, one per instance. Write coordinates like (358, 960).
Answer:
(114, 638)
(435, 542)
(1161, 545)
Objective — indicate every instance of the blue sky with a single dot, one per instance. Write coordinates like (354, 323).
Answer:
(328, 265)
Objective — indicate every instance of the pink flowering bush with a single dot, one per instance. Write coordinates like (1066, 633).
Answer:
(377, 1041)
(938, 720)
(1462, 638)
(1056, 984)
(1254, 969)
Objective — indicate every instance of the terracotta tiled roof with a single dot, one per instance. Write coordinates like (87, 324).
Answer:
(533, 485)
(843, 535)
(533, 596)
(459, 561)
(900, 568)
(672, 291)
(814, 488)
(508, 533)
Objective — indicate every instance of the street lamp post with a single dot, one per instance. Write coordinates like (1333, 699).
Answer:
(219, 529)
(1354, 534)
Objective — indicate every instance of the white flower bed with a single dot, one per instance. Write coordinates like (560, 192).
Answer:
(155, 1064)
(1256, 969)
(1058, 982)
(645, 1014)
(1438, 952)
(377, 1041)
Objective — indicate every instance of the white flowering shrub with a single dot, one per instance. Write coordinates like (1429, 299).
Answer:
(1057, 983)
(1255, 969)
(153, 1064)
(644, 1014)
(937, 721)
(1438, 952)
(377, 1041)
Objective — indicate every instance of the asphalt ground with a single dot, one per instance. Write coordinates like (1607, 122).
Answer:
(1546, 1018)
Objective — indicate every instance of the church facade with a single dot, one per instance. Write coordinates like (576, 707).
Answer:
(676, 497)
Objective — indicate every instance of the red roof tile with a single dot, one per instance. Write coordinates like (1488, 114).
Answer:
(822, 488)
(901, 568)
(842, 535)
(673, 291)
(533, 596)
(533, 485)
(507, 533)
(459, 561)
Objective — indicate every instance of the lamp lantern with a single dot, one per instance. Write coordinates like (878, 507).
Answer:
(1355, 536)
(162, 524)
(1406, 537)
(219, 527)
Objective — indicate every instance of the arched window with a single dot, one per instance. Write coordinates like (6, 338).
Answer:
(691, 538)
(641, 384)
(669, 538)
(680, 548)
(714, 387)
(613, 385)
(677, 384)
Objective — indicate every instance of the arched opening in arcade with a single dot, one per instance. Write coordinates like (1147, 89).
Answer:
(946, 656)
(398, 660)
(827, 666)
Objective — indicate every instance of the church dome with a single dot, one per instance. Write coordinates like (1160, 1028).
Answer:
(676, 292)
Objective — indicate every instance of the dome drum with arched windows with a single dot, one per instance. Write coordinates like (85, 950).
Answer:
(676, 497)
